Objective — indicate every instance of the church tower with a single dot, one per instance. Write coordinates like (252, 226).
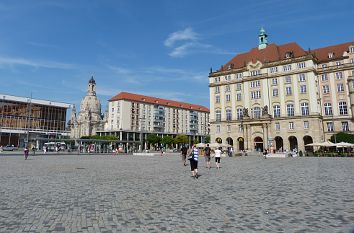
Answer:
(262, 37)
(91, 88)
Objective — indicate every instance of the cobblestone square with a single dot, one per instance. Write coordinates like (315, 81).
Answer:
(105, 193)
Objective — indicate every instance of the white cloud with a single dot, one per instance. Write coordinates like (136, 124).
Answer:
(185, 35)
(15, 61)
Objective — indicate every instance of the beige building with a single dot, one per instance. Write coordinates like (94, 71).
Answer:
(282, 96)
(130, 115)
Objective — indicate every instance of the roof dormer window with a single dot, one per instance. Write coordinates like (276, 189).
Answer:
(330, 55)
(351, 49)
(289, 54)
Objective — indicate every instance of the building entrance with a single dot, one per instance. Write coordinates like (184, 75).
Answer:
(258, 144)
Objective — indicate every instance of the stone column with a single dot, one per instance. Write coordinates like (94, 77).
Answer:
(351, 93)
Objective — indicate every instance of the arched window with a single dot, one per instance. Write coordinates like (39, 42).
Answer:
(304, 109)
(276, 110)
(228, 115)
(256, 111)
(290, 109)
(218, 115)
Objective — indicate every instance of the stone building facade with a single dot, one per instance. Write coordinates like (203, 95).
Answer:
(90, 119)
(282, 96)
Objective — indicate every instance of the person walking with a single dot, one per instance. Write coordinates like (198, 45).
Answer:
(217, 157)
(184, 154)
(194, 154)
(26, 152)
(207, 152)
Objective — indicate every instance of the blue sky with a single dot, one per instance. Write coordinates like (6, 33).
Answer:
(161, 48)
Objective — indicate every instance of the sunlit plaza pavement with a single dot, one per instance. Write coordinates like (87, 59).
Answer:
(105, 193)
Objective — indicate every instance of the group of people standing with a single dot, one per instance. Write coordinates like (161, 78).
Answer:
(192, 154)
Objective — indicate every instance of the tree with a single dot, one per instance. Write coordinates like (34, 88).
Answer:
(343, 137)
(195, 141)
(207, 139)
(153, 139)
(181, 139)
(167, 140)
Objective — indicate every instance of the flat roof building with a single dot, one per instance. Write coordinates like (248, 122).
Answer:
(27, 120)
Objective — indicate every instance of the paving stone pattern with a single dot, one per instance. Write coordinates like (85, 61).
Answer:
(105, 193)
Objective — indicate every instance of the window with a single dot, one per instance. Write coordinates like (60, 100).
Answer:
(324, 77)
(345, 126)
(273, 69)
(328, 109)
(306, 125)
(290, 109)
(238, 86)
(256, 112)
(228, 128)
(288, 79)
(301, 65)
(238, 97)
(304, 109)
(288, 90)
(218, 115)
(291, 125)
(330, 55)
(324, 66)
(275, 92)
(217, 99)
(343, 108)
(339, 75)
(217, 90)
(256, 83)
(351, 49)
(255, 94)
(218, 128)
(274, 81)
(302, 89)
(338, 63)
(277, 126)
(227, 88)
(352, 60)
(340, 87)
(325, 89)
(112, 110)
(239, 113)
(276, 110)
(240, 128)
(287, 68)
(239, 76)
(217, 79)
(302, 78)
(228, 98)
(330, 126)
(228, 115)
(255, 72)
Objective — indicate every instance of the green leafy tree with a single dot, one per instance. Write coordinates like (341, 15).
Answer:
(207, 139)
(342, 137)
(195, 141)
(167, 140)
(153, 139)
(181, 139)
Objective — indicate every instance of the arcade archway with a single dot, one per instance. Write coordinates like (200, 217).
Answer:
(293, 143)
(241, 143)
(230, 141)
(258, 144)
(279, 144)
(308, 140)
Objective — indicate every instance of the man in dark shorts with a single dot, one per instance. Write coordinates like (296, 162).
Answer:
(184, 154)
(207, 151)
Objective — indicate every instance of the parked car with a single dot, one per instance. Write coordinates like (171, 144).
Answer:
(10, 148)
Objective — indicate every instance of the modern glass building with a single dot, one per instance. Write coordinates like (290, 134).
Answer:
(25, 120)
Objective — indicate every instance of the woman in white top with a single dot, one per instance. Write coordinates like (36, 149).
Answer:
(217, 157)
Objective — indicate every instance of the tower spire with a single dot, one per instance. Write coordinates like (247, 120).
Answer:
(262, 37)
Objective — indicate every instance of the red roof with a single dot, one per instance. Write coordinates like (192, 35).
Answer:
(159, 101)
(271, 53)
(337, 50)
